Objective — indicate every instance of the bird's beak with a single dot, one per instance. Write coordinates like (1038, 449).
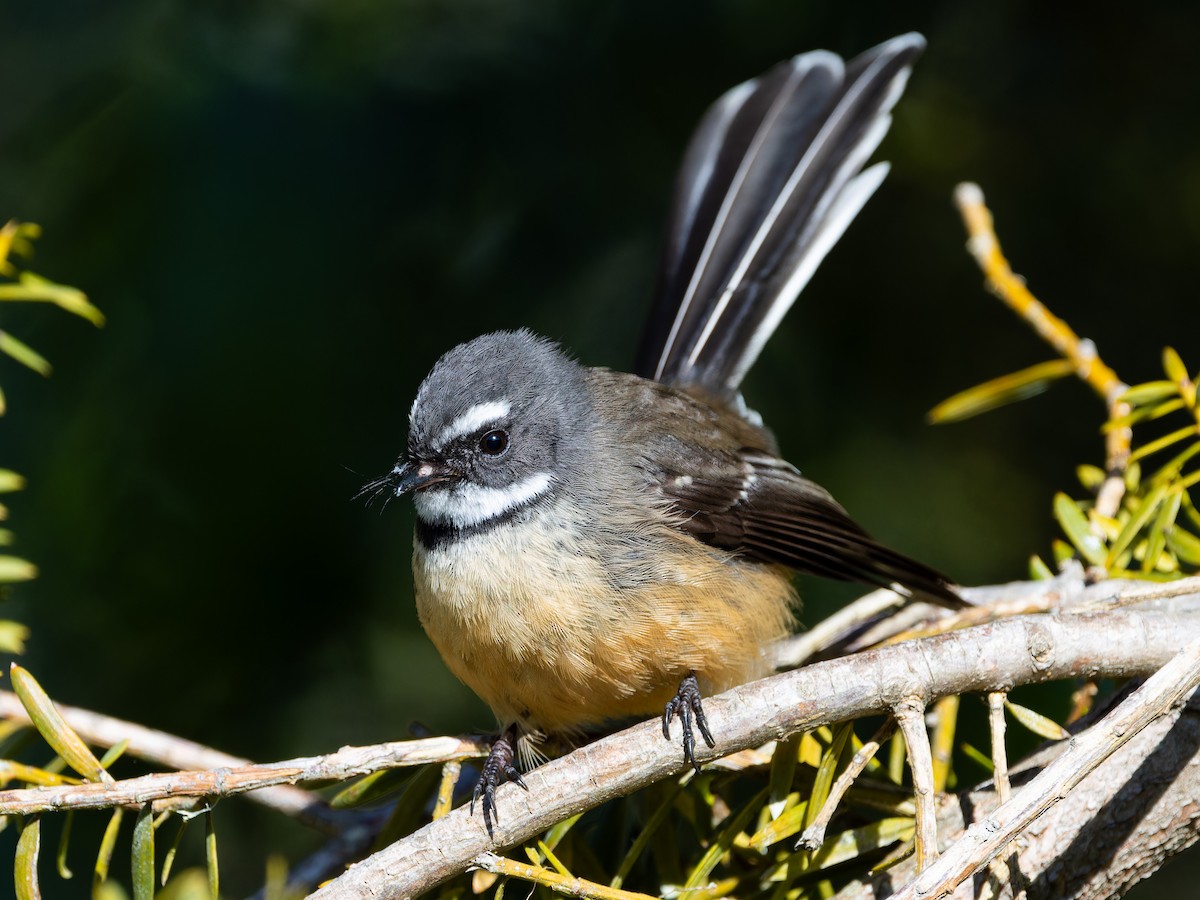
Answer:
(407, 476)
(416, 475)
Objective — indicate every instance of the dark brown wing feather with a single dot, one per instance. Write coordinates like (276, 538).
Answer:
(723, 477)
(765, 509)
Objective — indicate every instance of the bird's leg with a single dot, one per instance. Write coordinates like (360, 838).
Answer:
(497, 769)
(686, 705)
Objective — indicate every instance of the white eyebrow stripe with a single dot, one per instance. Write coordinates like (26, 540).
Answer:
(472, 420)
(470, 504)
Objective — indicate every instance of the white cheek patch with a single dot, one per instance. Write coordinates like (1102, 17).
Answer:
(472, 420)
(466, 504)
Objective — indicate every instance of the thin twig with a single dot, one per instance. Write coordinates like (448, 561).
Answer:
(1065, 592)
(999, 752)
(223, 782)
(1119, 825)
(910, 714)
(557, 882)
(799, 648)
(144, 743)
(1118, 444)
(445, 795)
(1011, 289)
(1011, 873)
(1123, 595)
(177, 753)
(987, 603)
(1069, 582)
(984, 840)
(977, 615)
(911, 618)
(814, 834)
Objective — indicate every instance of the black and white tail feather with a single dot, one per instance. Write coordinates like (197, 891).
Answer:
(771, 179)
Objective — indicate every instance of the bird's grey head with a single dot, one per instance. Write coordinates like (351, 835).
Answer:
(494, 425)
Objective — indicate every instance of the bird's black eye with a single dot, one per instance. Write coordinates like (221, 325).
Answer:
(494, 442)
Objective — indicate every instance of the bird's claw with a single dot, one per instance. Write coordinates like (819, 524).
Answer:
(497, 769)
(686, 705)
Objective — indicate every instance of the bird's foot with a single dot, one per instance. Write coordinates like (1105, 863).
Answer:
(686, 705)
(497, 769)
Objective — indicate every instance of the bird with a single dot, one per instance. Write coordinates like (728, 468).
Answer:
(593, 546)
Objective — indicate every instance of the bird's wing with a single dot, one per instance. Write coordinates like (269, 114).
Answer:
(762, 507)
(721, 480)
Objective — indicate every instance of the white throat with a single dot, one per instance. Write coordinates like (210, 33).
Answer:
(464, 505)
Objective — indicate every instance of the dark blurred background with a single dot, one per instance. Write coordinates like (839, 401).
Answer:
(289, 210)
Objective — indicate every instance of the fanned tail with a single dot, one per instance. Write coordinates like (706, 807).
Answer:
(770, 181)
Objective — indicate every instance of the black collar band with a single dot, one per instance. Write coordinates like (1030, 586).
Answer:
(439, 535)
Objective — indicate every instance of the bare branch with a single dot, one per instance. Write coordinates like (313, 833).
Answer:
(174, 752)
(1012, 290)
(1011, 870)
(991, 657)
(1119, 825)
(988, 603)
(144, 743)
(910, 715)
(986, 839)
(223, 782)
(1125, 593)
(445, 795)
(996, 656)
(799, 648)
(999, 753)
(556, 881)
(814, 834)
